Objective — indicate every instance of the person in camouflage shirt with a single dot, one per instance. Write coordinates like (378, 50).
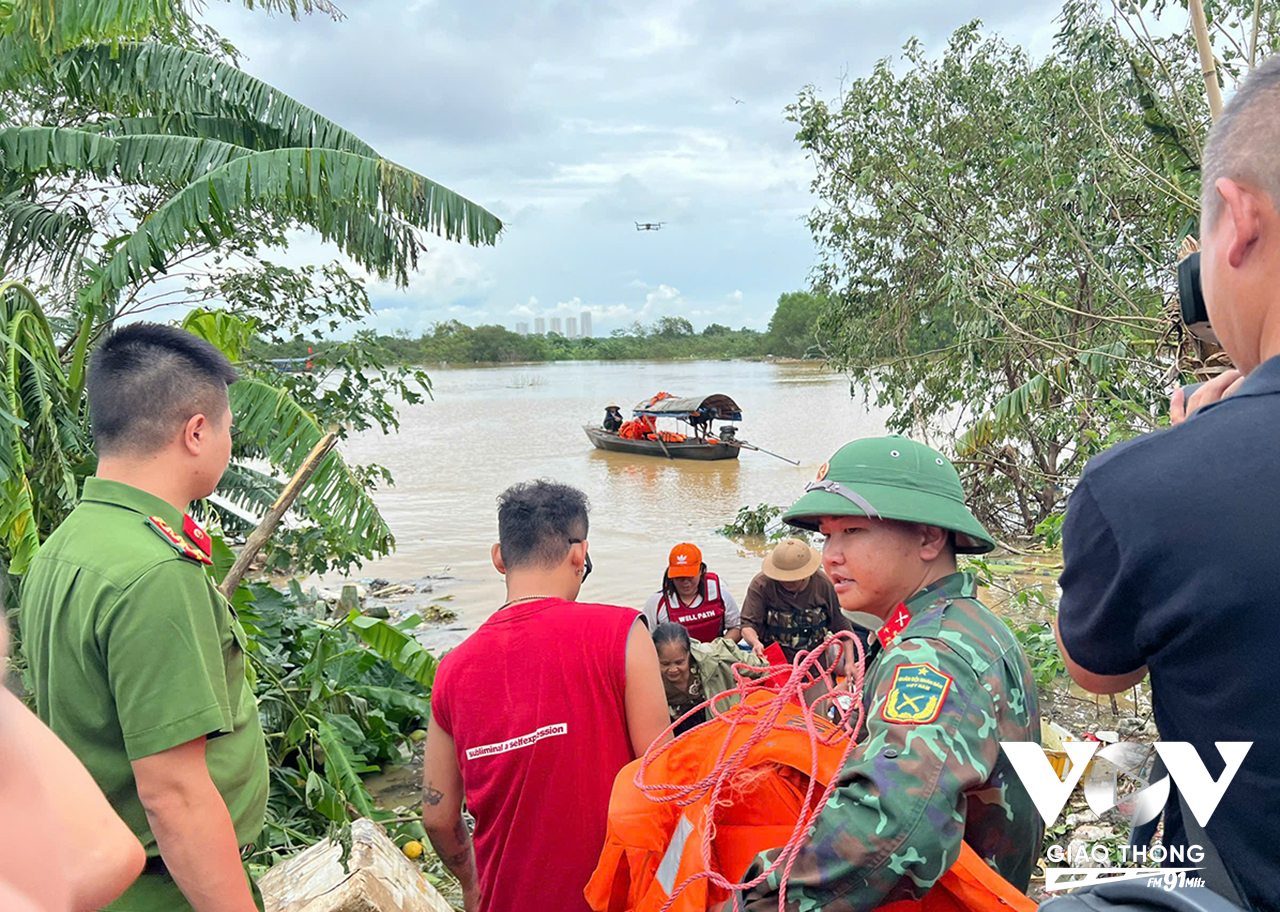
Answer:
(946, 682)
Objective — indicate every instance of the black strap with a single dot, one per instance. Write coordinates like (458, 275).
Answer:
(1216, 875)
(1213, 871)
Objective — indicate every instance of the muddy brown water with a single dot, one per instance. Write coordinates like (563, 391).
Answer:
(489, 427)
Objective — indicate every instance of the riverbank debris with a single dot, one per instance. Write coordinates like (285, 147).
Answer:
(381, 878)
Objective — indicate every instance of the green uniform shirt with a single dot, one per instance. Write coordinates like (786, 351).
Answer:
(134, 651)
(928, 770)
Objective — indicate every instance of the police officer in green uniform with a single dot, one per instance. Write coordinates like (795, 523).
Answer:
(946, 682)
(136, 659)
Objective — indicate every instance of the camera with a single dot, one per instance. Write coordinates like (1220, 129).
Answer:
(1191, 300)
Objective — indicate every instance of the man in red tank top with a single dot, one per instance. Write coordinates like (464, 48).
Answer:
(534, 715)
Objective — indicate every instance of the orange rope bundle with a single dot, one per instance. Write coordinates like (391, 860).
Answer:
(786, 684)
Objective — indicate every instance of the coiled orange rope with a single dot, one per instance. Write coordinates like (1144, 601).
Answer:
(787, 683)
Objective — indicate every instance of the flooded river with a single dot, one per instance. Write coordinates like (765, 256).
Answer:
(489, 427)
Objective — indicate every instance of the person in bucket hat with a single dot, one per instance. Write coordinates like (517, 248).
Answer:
(945, 683)
(792, 603)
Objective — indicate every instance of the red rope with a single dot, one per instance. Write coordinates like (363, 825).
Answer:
(787, 684)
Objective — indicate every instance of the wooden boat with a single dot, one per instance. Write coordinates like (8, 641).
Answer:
(689, 449)
(716, 407)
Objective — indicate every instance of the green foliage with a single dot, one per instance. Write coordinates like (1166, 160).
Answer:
(672, 328)
(1049, 531)
(227, 332)
(794, 325)
(996, 250)
(451, 342)
(753, 521)
(401, 650)
(366, 205)
(792, 333)
(272, 424)
(1023, 606)
(135, 154)
(32, 31)
(1041, 649)
(334, 708)
(43, 443)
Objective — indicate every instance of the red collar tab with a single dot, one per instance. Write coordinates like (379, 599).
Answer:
(161, 528)
(900, 618)
(197, 535)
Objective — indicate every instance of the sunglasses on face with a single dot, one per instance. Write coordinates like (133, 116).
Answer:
(586, 564)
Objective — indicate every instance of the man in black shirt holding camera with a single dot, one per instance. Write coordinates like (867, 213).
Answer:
(1172, 540)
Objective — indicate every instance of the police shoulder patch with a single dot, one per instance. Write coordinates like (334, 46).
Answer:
(916, 695)
(174, 541)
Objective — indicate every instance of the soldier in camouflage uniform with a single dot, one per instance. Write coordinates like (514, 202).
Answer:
(945, 683)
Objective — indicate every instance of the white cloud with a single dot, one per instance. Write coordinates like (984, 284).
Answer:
(573, 121)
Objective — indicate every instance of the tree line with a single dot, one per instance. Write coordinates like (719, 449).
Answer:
(997, 238)
(792, 333)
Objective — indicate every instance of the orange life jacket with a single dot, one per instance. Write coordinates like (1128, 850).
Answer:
(652, 848)
(636, 429)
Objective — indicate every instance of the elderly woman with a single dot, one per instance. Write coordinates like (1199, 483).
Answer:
(680, 676)
(694, 598)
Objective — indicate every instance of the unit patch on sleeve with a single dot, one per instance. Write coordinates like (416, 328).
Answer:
(916, 695)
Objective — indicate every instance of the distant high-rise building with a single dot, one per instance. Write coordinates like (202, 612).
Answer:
(586, 324)
(539, 326)
(571, 327)
(555, 325)
(522, 329)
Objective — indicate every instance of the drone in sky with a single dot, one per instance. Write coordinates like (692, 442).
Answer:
(649, 226)
(736, 100)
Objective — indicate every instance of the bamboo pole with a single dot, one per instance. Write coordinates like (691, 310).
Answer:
(267, 527)
(1200, 26)
(1253, 45)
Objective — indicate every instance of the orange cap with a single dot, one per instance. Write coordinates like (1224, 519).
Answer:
(685, 560)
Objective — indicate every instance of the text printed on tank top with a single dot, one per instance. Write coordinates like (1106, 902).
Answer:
(502, 747)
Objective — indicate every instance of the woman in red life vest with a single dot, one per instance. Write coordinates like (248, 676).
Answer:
(693, 598)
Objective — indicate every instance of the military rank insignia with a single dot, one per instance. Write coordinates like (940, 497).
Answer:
(916, 695)
(161, 528)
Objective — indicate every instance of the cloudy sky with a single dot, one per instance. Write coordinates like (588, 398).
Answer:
(573, 120)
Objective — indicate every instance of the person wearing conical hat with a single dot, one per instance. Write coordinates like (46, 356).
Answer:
(612, 417)
(945, 683)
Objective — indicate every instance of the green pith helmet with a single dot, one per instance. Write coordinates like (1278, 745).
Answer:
(891, 478)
